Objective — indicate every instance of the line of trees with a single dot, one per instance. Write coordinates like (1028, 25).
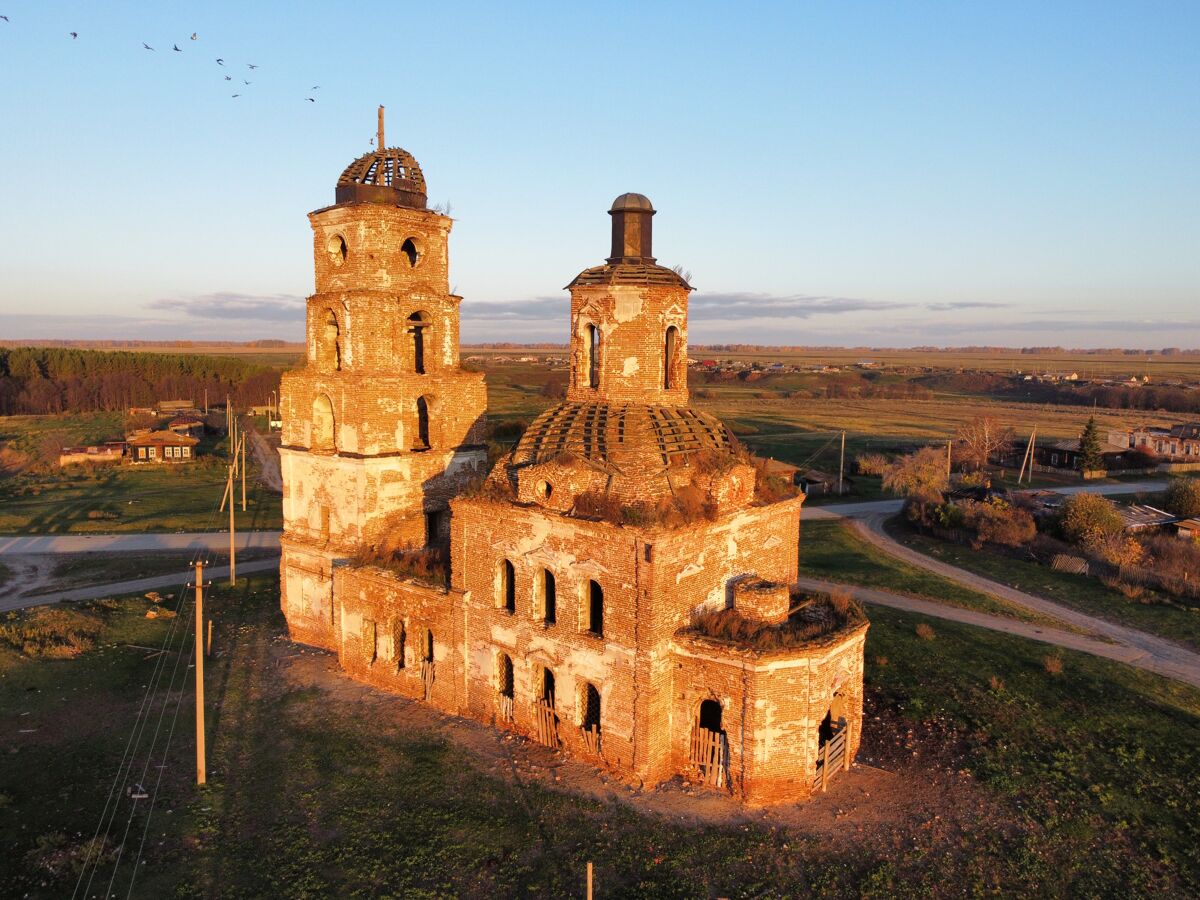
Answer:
(42, 380)
(1108, 396)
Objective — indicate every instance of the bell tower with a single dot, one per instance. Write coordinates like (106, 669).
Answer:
(381, 426)
(629, 319)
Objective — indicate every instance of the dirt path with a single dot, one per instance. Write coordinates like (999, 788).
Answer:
(1142, 650)
(267, 454)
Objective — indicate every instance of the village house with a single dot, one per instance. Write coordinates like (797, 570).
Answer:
(108, 452)
(1066, 454)
(161, 447)
(586, 565)
(1177, 443)
(193, 426)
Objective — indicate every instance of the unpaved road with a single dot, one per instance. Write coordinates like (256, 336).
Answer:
(126, 543)
(267, 454)
(1145, 651)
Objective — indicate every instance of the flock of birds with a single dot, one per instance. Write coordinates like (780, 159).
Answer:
(175, 48)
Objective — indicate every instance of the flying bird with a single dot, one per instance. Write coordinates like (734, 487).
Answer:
(244, 81)
(220, 62)
(237, 95)
(175, 47)
(73, 34)
(146, 46)
(229, 78)
(193, 35)
(315, 87)
(310, 99)
(252, 65)
(5, 18)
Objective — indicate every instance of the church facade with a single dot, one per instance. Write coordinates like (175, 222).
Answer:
(581, 588)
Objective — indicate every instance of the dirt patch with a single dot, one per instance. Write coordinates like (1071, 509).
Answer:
(902, 781)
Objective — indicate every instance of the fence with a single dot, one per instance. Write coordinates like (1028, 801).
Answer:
(505, 705)
(1094, 568)
(547, 724)
(710, 755)
(591, 739)
(427, 677)
(832, 757)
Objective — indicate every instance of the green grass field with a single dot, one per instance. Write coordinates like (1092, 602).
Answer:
(1087, 778)
(832, 551)
(1079, 592)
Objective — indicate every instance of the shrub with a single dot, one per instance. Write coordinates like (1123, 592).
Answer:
(925, 632)
(1183, 497)
(871, 463)
(427, 564)
(998, 522)
(812, 617)
(881, 661)
(54, 632)
(1130, 591)
(1172, 557)
(1089, 517)
(1116, 549)
(1053, 665)
(917, 473)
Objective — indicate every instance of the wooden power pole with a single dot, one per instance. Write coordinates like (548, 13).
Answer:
(1028, 458)
(201, 773)
(842, 467)
(243, 473)
(232, 536)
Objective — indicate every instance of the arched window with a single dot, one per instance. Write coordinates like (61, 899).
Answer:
(595, 618)
(710, 715)
(590, 708)
(504, 675)
(549, 597)
(592, 351)
(422, 442)
(329, 344)
(418, 323)
(322, 424)
(670, 354)
(398, 638)
(409, 249)
(508, 587)
(547, 696)
(428, 645)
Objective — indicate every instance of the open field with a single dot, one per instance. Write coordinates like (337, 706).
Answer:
(832, 551)
(119, 498)
(1089, 595)
(1079, 783)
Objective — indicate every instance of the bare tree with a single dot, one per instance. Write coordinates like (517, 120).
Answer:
(981, 439)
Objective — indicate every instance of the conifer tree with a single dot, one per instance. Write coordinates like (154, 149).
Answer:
(1091, 459)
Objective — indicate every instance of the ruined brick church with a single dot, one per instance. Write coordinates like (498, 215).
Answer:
(584, 563)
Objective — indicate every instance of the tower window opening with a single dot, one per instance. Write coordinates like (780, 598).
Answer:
(508, 587)
(329, 343)
(670, 355)
(400, 635)
(593, 355)
(433, 527)
(710, 715)
(504, 675)
(595, 609)
(417, 323)
(547, 688)
(322, 424)
(422, 424)
(409, 249)
(549, 597)
(428, 645)
(336, 247)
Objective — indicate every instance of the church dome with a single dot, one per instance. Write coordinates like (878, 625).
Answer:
(390, 175)
(632, 201)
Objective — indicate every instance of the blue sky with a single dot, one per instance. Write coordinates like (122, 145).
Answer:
(831, 173)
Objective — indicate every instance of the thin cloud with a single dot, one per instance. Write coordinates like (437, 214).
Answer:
(965, 304)
(539, 309)
(228, 306)
(716, 306)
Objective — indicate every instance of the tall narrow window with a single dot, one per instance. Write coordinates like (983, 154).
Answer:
(422, 424)
(417, 325)
(669, 357)
(593, 356)
(595, 609)
(399, 636)
(548, 688)
(549, 597)
(322, 424)
(428, 645)
(508, 587)
(433, 527)
(329, 344)
(504, 675)
(591, 708)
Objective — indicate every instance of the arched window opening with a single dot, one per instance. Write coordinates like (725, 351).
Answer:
(670, 353)
(591, 709)
(547, 695)
(422, 442)
(329, 343)
(400, 636)
(834, 721)
(418, 323)
(595, 609)
(427, 672)
(710, 715)
(508, 587)
(322, 424)
(593, 355)
(410, 249)
(504, 675)
(549, 597)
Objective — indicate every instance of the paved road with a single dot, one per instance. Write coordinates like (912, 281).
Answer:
(138, 585)
(122, 543)
(871, 507)
(1146, 651)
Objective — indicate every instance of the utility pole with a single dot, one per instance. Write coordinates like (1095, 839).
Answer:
(232, 538)
(948, 463)
(1028, 458)
(842, 467)
(243, 473)
(201, 774)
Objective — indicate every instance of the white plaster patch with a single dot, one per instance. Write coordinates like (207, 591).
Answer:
(772, 542)
(628, 306)
(630, 367)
